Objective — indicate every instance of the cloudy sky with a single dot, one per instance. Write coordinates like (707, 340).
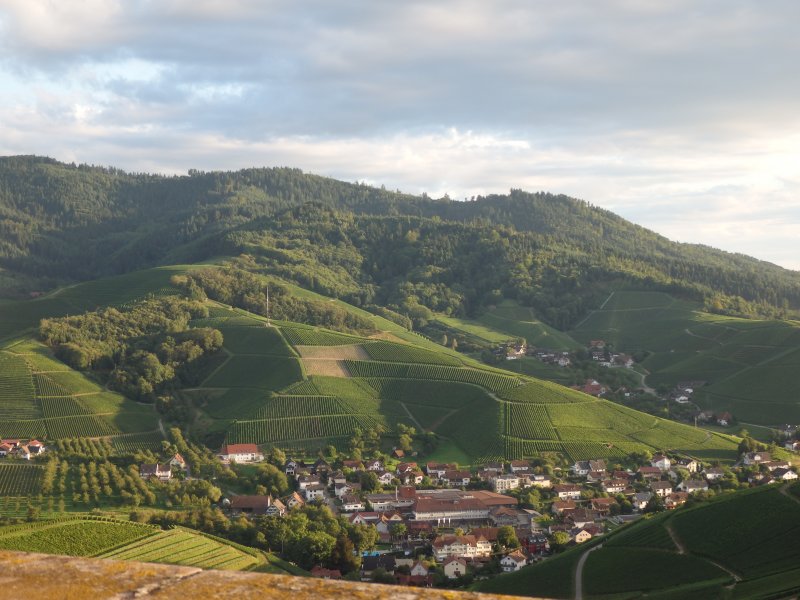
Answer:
(681, 115)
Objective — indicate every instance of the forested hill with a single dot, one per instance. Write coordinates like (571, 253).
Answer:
(60, 223)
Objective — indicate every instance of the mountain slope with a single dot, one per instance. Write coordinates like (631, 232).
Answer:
(556, 254)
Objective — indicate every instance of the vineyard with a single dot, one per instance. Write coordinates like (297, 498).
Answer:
(132, 443)
(20, 480)
(72, 537)
(278, 407)
(486, 379)
(17, 394)
(297, 428)
(389, 352)
(255, 340)
(269, 373)
(184, 547)
(544, 392)
(79, 426)
(313, 337)
(530, 421)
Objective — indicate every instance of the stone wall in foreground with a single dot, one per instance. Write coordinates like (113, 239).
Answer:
(48, 577)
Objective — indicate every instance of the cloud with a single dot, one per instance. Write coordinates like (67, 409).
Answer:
(678, 115)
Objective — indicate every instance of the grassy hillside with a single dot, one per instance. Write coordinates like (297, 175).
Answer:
(741, 545)
(748, 364)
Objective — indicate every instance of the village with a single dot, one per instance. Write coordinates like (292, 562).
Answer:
(441, 525)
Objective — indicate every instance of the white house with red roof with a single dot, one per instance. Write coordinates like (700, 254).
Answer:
(240, 453)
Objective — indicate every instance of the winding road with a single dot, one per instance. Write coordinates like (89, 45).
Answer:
(579, 572)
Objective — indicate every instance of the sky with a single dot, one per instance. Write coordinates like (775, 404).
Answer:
(680, 115)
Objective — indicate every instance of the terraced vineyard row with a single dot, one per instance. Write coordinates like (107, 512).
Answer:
(544, 392)
(62, 407)
(435, 393)
(20, 480)
(130, 444)
(73, 537)
(297, 428)
(17, 394)
(46, 387)
(486, 379)
(314, 337)
(79, 426)
(298, 406)
(181, 547)
(530, 422)
(390, 352)
(23, 429)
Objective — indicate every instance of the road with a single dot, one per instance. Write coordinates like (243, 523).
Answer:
(579, 572)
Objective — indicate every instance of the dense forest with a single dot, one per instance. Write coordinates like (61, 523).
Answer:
(375, 248)
(140, 350)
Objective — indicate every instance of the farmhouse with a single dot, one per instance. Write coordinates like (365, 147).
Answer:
(240, 453)
(250, 505)
(157, 471)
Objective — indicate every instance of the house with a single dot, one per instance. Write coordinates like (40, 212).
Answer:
(374, 465)
(513, 562)
(418, 569)
(294, 499)
(714, 473)
(662, 489)
(792, 445)
(581, 517)
(505, 482)
(540, 481)
(276, 509)
(756, 458)
(323, 573)
(640, 500)
(456, 478)
(581, 535)
(464, 546)
(784, 474)
(689, 464)
(649, 473)
(382, 561)
(412, 477)
(602, 505)
(398, 453)
(362, 518)
(406, 467)
(353, 465)
(777, 464)
(290, 467)
(306, 480)
(661, 461)
(5, 449)
(614, 486)
(454, 567)
(494, 466)
(337, 477)
(437, 470)
(520, 466)
(23, 452)
(240, 453)
(593, 388)
(177, 462)
(506, 515)
(314, 491)
(724, 419)
(675, 499)
(351, 503)
(385, 478)
(580, 468)
(568, 491)
(35, 447)
(250, 505)
(320, 467)
(157, 471)
(597, 344)
(536, 543)
(343, 489)
(691, 486)
(560, 506)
